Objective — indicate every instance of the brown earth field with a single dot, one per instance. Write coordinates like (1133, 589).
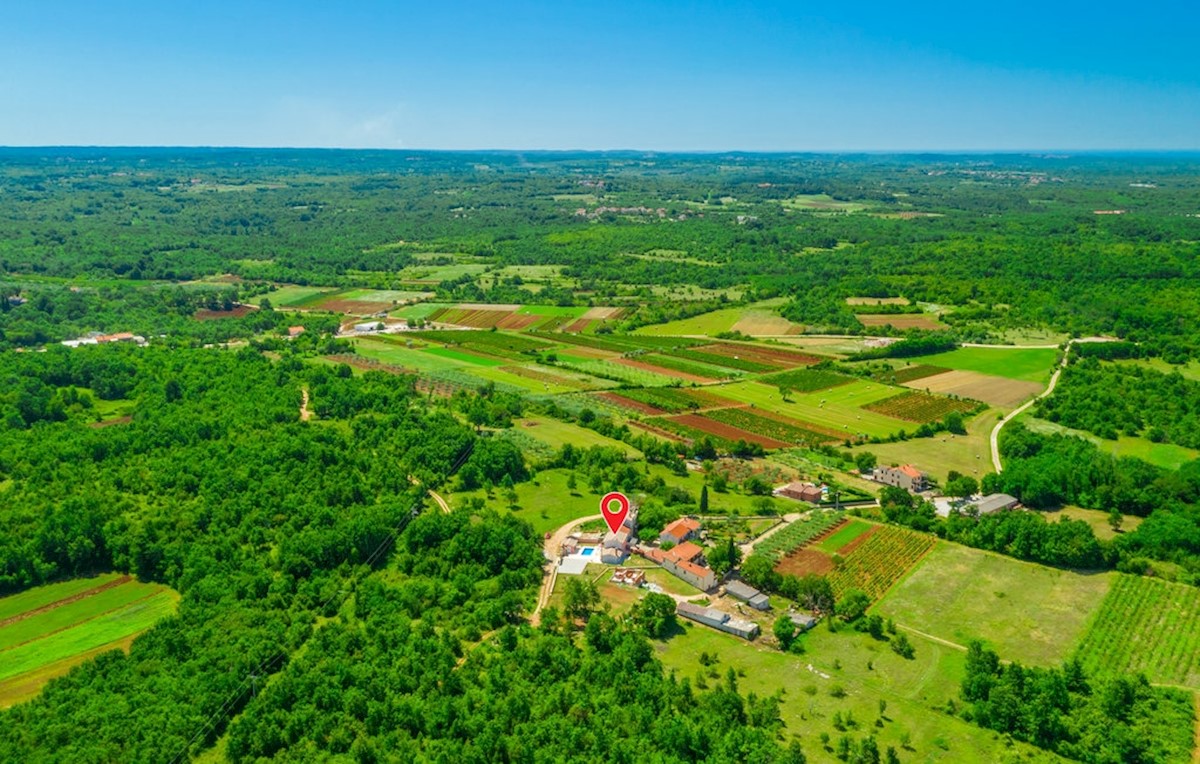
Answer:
(660, 432)
(578, 325)
(601, 314)
(211, 315)
(629, 403)
(766, 325)
(517, 321)
(703, 424)
(900, 320)
(803, 561)
(761, 354)
(661, 370)
(996, 391)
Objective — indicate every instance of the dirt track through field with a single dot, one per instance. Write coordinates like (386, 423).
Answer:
(66, 600)
(305, 414)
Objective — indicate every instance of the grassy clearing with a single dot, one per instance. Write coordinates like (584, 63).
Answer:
(556, 434)
(837, 408)
(911, 688)
(1166, 455)
(1027, 612)
(968, 454)
(467, 358)
(295, 296)
(1096, 518)
(1029, 364)
(821, 203)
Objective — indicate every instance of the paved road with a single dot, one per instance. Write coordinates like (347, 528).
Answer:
(995, 439)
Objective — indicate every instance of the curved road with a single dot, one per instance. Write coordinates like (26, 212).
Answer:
(995, 439)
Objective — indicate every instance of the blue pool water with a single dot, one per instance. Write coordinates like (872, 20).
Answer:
(587, 550)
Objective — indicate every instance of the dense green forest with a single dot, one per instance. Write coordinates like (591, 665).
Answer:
(331, 612)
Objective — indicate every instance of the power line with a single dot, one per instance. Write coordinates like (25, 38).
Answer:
(252, 678)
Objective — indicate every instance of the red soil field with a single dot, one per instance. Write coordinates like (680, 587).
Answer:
(578, 325)
(804, 561)
(628, 403)
(761, 354)
(517, 321)
(703, 424)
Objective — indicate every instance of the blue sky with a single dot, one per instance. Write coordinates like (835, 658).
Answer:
(755, 76)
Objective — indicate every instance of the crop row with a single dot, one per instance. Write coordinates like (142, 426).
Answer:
(916, 406)
(675, 400)
(799, 533)
(771, 356)
(486, 341)
(880, 561)
(731, 362)
(910, 373)
(705, 370)
(615, 371)
(771, 428)
(1149, 625)
(807, 380)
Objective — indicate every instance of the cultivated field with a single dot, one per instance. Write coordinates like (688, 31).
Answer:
(920, 407)
(1148, 625)
(882, 558)
(760, 319)
(46, 630)
(821, 203)
(996, 391)
(1028, 364)
(877, 301)
(1027, 612)
(799, 533)
(838, 408)
(900, 320)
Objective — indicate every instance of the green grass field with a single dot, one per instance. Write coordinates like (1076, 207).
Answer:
(1166, 455)
(821, 203)
(292, 296)
(472, 359)
(51, 628)
(837, 408)
(968, 454)
(382, 295)
(1029, 364)
(843, 536)
(420, 309)
(913, 689)
(556, 433)
(1026, 612)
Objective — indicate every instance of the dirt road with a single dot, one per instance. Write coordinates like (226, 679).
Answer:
(995, 438)
(550, 549)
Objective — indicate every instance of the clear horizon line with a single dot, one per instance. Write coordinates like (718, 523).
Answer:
(501, 150)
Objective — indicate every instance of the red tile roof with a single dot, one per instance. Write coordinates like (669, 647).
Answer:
(682, 527)
(911, 471)
(687, 551)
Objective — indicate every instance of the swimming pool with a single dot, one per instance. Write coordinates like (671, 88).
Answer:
(587, 551)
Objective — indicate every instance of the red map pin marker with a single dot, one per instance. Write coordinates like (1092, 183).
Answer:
(614, 517)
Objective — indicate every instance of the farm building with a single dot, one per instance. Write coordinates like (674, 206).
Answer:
(800, 492)
(680, 531)
(994, 503)
(369, 326)
(718, 620)
(684, 561)
(629, 577)
(905, 476)
(748, 594)
(295, 331)
(616, 546)
(803, 620)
